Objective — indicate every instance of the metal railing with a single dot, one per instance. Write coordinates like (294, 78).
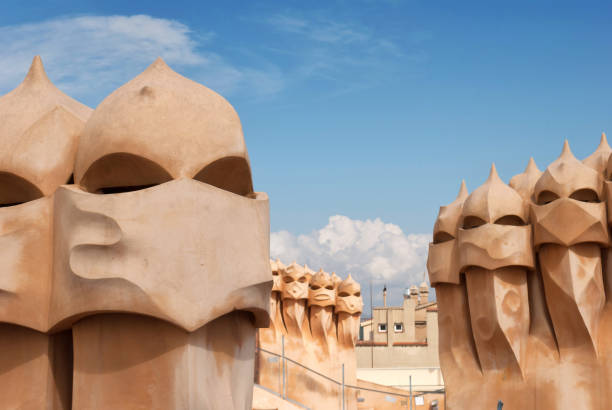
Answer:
(406, 399)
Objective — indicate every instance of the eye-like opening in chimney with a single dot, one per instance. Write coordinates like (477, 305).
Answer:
(546, 197)
(513, 220)
(15, 190)
(230, 174)
(470, 222)
(442, 236)
(123, 172)
(585, 195)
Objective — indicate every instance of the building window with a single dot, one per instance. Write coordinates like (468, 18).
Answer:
(382, 327)
(398, 327)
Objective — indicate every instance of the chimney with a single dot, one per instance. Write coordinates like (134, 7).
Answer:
(414, 293)
(385, 296)
(424, 293)
(406, 293)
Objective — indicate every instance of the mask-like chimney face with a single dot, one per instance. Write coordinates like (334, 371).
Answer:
(167, 224)
(321, 290)
(39, 128)
(276, 279)
(294, 283)
(443, 259)
(569, 191)
(494, 233)
(349, 299)
(496, 252)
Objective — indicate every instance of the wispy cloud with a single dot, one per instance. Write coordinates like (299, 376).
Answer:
(89, 56)
(370, 249)
(324, 31)
(345, 54)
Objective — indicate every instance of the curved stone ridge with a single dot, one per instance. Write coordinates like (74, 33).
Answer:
(179, 125)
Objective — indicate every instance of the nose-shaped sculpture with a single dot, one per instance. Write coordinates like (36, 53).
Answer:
(116, 251)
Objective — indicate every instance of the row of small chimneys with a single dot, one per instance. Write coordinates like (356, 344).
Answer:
(320, 288)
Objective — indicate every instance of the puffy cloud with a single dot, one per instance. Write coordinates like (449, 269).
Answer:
(370, 249)
(89, 56)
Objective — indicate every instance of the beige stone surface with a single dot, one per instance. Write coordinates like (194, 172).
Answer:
(152, 271)
(39, 130)
(35, 369)
(120, 252)
(536, 310)
(175, 127)
(131, 362)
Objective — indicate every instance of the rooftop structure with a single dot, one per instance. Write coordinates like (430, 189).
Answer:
(401, 336)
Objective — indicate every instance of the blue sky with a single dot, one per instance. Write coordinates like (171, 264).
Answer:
(369, 112)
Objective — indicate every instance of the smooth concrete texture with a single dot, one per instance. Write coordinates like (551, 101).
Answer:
(318, 317)
(183, 128)
(39, 134)
(150, 266)
(164, 251)
(135, 362)
(35, 369)
(39, 130)
(530, 320)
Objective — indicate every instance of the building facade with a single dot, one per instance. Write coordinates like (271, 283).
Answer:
(401, 336)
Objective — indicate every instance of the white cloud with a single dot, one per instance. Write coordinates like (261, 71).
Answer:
(90, 56)
(370, 249)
